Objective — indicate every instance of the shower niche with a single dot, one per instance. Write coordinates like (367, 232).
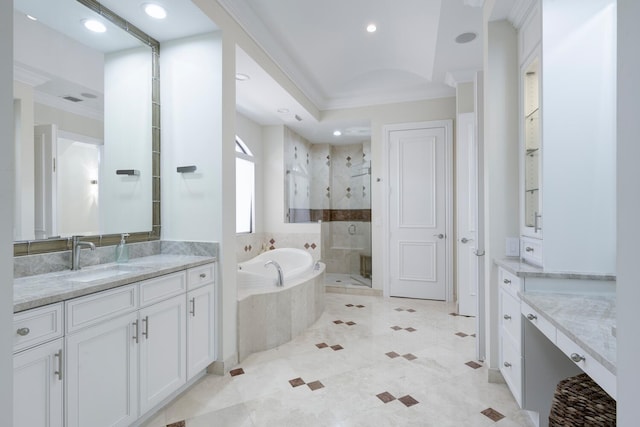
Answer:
(332, 184)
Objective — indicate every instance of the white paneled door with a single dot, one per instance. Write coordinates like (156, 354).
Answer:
(418, 213)
(467, 218)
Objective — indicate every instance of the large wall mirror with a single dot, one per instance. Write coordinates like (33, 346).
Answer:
(87, 137)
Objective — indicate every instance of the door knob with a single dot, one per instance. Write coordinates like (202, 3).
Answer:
(465, 240)
(439, 236)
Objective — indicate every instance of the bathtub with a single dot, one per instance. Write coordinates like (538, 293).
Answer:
(295, 263)
(270, 315)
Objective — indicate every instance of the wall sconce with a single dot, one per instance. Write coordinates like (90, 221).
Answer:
(130, 172)
(186, 169)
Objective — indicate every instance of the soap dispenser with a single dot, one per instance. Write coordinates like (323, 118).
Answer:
(122, 250)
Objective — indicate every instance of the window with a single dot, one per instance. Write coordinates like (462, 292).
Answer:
(245, 188)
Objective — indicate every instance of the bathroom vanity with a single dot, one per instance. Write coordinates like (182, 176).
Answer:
(553, 326)
(107, 344)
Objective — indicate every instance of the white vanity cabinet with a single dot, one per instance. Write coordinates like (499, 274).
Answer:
(200, 320)
(38, 367)
(510, 341)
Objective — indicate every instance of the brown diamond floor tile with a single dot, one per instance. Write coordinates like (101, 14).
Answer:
(360, 306)
(178, 424)
(337, 322)
(349, 305)
(236, 372)
(492, 414)
(396, 328)
(473, 335)
(322, 345)
(386, 397)
(350, 323)
(296, 382)
(336, 347)
(473, 365)
(408, 400)
(461, 334)
(410, 329)
(453, 314)
(399, 309)
(392, 354)
(315, 385)
(411, 310)
(409, 356)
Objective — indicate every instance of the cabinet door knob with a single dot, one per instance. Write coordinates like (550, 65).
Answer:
(203, 275)
(23, 331)
(577, 357)
(506, 281)
(439, 236)
(528, 249)
(507, 364)
(531, 316)
(507, 317)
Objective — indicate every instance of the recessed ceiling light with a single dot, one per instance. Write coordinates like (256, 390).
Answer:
(371, 28)
(283, 110)
(33, 18)
(466, 38)
(95, 26)
(337, 133)
(242, 77)
(154, 10)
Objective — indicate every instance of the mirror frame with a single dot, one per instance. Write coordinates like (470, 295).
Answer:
(32, 247)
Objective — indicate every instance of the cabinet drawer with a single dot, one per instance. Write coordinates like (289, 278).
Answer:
(509, 282)
(94, 308)
(510, 320)
(200, 276)
(531, 251)
(33, 327)
(540, 322)
(588, 364)
(163, 287)
(511, 368)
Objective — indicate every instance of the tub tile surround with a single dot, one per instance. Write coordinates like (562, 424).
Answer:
(361, 384)
(251, 245)
(267, 320)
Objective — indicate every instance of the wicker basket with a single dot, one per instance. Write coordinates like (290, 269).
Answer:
(579, 401)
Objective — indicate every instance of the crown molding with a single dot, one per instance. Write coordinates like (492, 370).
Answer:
(519, 12)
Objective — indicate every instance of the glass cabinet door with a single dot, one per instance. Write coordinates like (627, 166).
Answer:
(532, 147)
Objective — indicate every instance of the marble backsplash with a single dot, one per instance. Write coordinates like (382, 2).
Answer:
(31, 265)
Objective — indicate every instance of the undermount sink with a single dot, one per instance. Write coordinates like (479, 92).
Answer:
(101, 273)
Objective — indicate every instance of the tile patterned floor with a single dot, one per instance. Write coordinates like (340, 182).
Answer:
(379, 377)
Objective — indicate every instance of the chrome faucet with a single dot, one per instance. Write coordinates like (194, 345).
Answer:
(77, 244)
(278, 268)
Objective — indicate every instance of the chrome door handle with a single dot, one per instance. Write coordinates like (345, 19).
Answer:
(23, 332)
(536, 223)
(531, 316)
(465, 240)
(58, 356)
(135, 337)
(193, 307)
(146, 327)
(439, 236)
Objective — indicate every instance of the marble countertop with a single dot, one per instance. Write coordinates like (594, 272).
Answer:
(587, 319)
(523, 269)
(36, 291)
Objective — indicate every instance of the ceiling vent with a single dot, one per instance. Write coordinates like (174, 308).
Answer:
(72, 98)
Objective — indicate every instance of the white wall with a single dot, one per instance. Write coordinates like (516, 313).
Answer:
(500, 161)
(251, 134)
(198, 128)
(381, 115)
(6, 210)
(125, 201)
(578, 135)
(628, 203)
